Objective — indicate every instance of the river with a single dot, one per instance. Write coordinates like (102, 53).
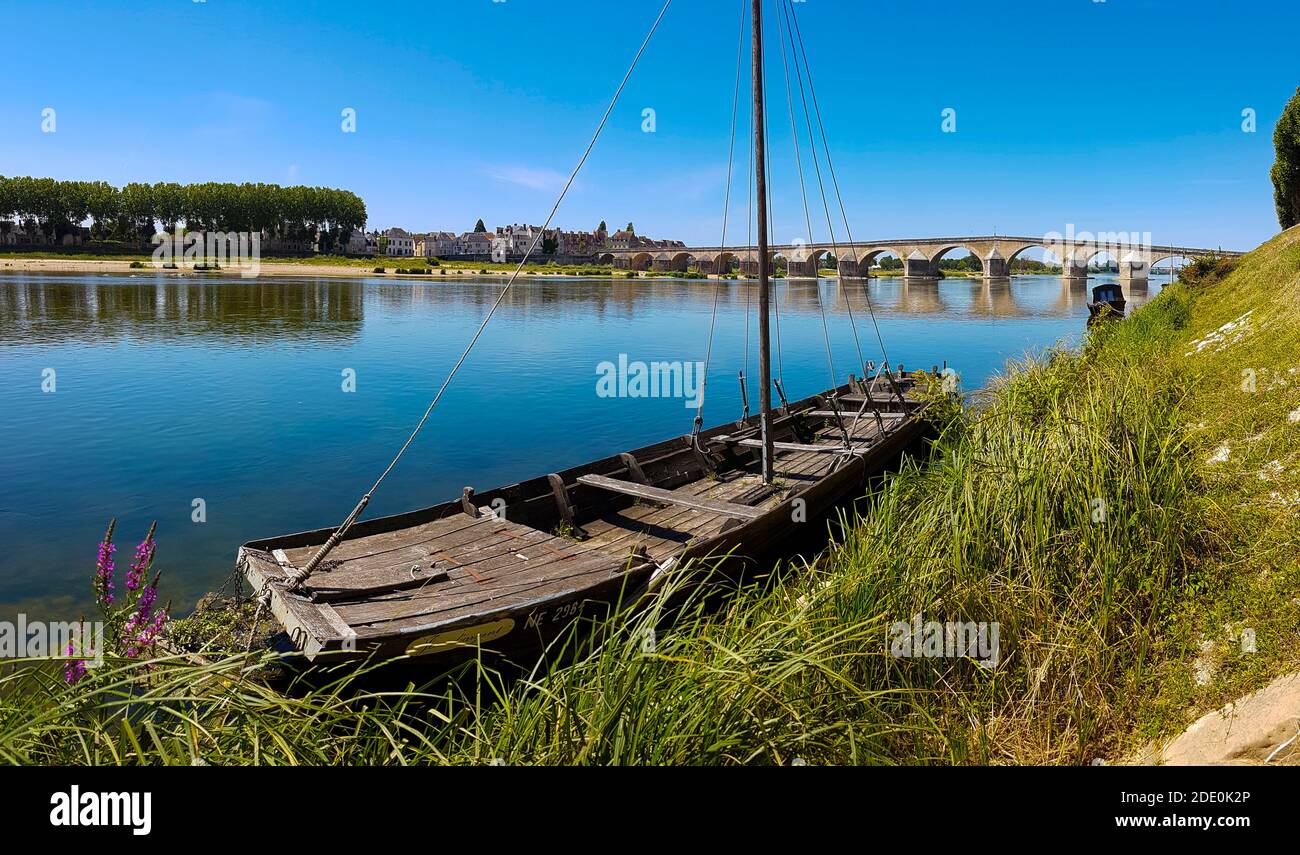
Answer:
(152, 397)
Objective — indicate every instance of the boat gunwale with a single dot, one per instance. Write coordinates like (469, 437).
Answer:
(536, 487)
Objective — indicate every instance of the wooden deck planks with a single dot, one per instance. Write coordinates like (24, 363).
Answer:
(466, 566)
(686, 500)
(450, 603)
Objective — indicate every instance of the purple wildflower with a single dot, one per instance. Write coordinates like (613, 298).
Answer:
(139, 570)
(75, 669)
(143, 628)
(103, 582)
(147, 596)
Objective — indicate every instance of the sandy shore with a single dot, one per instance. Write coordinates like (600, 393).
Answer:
(296, 270)
(268, 268)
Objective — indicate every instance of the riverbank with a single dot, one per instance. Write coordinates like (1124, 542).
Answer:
(1126, 515)
(397, 268)
(296, 268)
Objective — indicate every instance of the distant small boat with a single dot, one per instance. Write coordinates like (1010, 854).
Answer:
(1107, 303)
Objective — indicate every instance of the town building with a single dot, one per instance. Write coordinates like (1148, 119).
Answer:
(476, 245)
(357, 243)
(399, 243)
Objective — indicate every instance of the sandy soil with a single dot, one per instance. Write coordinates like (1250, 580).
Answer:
(268, 268)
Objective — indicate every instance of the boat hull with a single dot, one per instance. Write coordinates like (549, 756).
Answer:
(509, 571)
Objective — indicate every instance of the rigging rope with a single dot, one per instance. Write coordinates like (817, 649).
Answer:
(834, 178)
(749, 241)
(726, 209)
(821, 185)
(293, 580)
(803, 191)
(771, 226)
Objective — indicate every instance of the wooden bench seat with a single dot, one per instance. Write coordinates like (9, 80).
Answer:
(791, 446)
(669, 497)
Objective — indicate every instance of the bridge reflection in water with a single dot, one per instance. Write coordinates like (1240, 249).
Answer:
(36, 308)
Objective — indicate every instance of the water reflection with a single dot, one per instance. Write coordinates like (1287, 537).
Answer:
(46, 309)
(43, 308)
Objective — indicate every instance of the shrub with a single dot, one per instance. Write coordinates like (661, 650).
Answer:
(1206, 270)
(1286, 169)
(380, 270)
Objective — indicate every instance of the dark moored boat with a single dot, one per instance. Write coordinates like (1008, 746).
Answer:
(1107, 303)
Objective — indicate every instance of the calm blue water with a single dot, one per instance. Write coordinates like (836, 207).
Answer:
(228, 391)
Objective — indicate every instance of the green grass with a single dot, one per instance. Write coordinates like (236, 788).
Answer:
(1101, 616)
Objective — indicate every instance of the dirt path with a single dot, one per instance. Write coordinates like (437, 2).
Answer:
(1257, 729)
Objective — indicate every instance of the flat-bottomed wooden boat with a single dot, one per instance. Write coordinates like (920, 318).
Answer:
(510, 568)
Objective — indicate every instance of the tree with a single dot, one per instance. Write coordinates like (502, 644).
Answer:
(1286, 169)
(479, 228)
(7, 204)
(57, 208)
(169, 204)
(135, 212)
(102, 203)
(630, 229)
(601, 227)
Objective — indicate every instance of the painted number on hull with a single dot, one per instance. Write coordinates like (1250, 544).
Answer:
(567, 611)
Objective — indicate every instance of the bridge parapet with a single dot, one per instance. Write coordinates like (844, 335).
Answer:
(919, 255)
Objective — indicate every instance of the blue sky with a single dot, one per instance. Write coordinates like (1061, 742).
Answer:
(1117, 116)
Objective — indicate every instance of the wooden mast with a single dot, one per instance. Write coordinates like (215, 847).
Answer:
(764, 286)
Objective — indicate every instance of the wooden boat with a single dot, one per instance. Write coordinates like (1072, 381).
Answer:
(510, 568)
(1107, 303)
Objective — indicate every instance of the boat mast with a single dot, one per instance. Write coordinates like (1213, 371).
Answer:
(764, 286)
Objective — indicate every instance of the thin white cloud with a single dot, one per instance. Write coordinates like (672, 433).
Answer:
(528, 177)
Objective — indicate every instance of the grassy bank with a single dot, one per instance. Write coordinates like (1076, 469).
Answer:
(1124, 512)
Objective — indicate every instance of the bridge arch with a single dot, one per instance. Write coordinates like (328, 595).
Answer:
(868, 258)
(640, 261)
(944, 250)
(1087, 256)
(1051, 256)
(605, 258)
(722, 262)
(823, 257)
(1177, 261)
(1185, 259)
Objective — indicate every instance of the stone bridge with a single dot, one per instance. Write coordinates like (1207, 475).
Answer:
(920, 256)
